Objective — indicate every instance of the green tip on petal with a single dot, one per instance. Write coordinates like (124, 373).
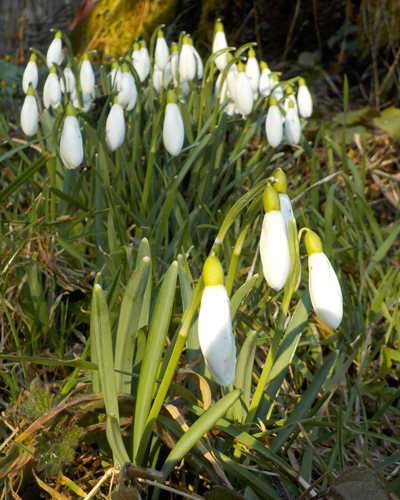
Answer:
(213, 273)
(263, 65)
(291, 104)
(251, 52)
(125, 68)
(115, 100)
(136, 46)
(281, 185)
(185, 39)
(33, 58)
(31, 90)
(70, 110)
(190, 40)
(229, 57)
(273, 101)
(271, 200)
(58, 34)
(53, 69)
(301, 82)
(240, 67)
(160, 34)
(289, 90)
(276, 78)
(313, 243)
(85, 57)
(171, 97)
(114, 65)
(143, 44)
(219, 27)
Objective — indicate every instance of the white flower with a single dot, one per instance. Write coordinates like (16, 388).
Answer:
(274, 243)
(86, 100)
(264, 84)
(128, 94)
(292, 125)
(173, 130)
(325, 292)
(286, 209)
(138, 62)
(199, 62)
(145, 57)
(54, 52)
(167, 75)
(216, 339)
(52, 90)
(29, 113)
(253, 71)
(161, 52)
(115, 127)
(273, 124)
(86, 76)
(71, 146)
(224, 90)
(231, 81)
(157, 78)
(31, 75)
(69, 81)
(174, 62)
(243, 93)
(277, 90)
(187, 61)
(115, 77)
(185, 88)
(304, 99)
(220, 43)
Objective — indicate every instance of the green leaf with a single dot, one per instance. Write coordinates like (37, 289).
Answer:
(38, 402)
(389, 121)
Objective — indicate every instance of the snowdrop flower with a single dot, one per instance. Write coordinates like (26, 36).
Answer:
(199, 62)
(273, 124)
(115, 76)
(224, 89)
(71, 146)
(216, 339)
(174, 62)
(187, 61)
(128, 94)
(274, 243)
(185, 88)
(138, 63)
(29, 113)
(115, 126)
(325, 292)
(54, 52)
(173, 130)
(253, 71)
(87, 100)
(290, 98)
(304, 99)
(69, 81)
(277, 90)
(86, 76)
(145, 57)
(292, 125)
(243, 92)
(231, 79)
(157, 78)
(220, 43)
(52, 90)
(264, 84)
(167, 75)
(161, 52)
(31, 75)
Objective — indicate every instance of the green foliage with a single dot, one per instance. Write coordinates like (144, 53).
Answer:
(37, 402)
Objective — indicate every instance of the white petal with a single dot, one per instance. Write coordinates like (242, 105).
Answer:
(187, 63)
(286, 209)
(264, 84)
(146, 59)
(244, 94)
(128, 94)
(167, 75)
(274, 250)
(173, 131)
(325, 292)
(71, 146)
(115, 127)
(86, 77)
(29, 115)
(69, 81)
(304, 101)
(161, 53)
(273, 126)
(199, 63)
(253, 73)
(115, 77)
(219, 44)
(54, 52)
(30, 76)
(174, 65)
(292, 126)
(231, 80)
(139, 64)
(216, 339)
(54, 90)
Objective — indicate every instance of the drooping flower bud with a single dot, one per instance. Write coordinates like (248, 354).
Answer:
(128, 94)
(138, 63)
(199, 62)
(244, 94)
(264, 85)
(30, 113)
(71, 145)
(173, 130)
(273, 124)
(54, 52)
(220, 43)
(174, 62)
(253, 71)
(161, 52)
(115, 126)
(304, 99)
(31, 74)
(187, 61)
(216, 339)
(325, 291)
(145, 57)
(292, 125)
(274, 243)
(52, 90)
(69, 81)
(86, 76)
